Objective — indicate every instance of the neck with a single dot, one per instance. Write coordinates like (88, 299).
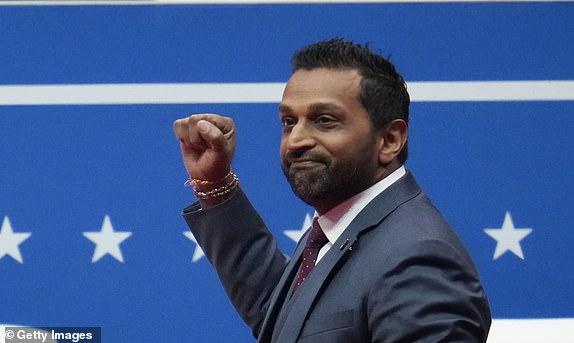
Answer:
(386, 170)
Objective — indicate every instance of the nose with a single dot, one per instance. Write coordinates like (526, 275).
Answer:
(299, 137)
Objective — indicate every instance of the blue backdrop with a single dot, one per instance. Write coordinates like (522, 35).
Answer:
(64, 169)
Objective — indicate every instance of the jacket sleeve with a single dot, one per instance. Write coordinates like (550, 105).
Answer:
(243, 251)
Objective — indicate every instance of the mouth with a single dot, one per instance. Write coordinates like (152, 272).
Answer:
(300, 164)
(294, 162)
(304, 163)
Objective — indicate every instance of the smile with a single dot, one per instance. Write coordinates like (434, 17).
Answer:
(304, 164)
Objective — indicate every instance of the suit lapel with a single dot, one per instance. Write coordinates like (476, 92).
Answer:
(403, 190)
(304, 297)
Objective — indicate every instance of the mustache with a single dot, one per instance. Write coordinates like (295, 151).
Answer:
(292, 156)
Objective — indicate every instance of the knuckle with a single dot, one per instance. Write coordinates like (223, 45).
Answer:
(192, 119)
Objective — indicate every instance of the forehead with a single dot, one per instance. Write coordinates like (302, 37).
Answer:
(322, 85)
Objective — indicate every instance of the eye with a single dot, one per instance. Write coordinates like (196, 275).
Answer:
(326, 120)
(287, 122)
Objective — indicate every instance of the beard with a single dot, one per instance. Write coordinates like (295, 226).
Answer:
(331, 182)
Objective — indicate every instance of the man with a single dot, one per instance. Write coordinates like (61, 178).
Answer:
(390, 268)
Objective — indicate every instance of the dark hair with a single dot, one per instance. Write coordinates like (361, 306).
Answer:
(383, 90)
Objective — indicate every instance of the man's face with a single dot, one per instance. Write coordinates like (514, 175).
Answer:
(329, 149)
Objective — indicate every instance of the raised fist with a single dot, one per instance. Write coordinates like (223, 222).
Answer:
(207, 145)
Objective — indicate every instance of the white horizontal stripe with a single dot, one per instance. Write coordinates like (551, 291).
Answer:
(532, 330)
(150, 93)
(210, 93)
(492, 91)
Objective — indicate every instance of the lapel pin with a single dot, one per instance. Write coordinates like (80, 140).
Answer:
(344, 244)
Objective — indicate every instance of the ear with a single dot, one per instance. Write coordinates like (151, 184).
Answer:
(393, 138)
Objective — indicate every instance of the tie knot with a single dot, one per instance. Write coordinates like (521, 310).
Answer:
(316, 237)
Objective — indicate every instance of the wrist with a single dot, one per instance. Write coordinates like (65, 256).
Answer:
(212, 193)
(206, 184)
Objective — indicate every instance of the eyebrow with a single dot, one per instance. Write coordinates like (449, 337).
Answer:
(319, 106)
(284, 108)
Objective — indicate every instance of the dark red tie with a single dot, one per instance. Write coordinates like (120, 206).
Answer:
(315, 242)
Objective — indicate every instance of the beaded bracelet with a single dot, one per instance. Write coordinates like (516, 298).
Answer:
(217, 192)
(198, 182)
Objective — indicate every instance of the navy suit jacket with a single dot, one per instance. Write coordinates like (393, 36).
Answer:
(398, 273)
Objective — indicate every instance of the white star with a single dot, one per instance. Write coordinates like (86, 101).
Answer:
(107, 241)
(296, 235)
(9, 241)
(197, 253)
(508, 238)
